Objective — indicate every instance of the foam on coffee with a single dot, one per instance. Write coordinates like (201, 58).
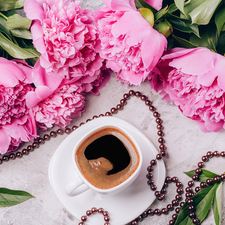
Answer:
(107, 157)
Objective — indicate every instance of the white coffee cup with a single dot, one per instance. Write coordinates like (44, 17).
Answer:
(80, 184)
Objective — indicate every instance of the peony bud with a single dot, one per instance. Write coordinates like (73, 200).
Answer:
(147, 15)
(164, 28)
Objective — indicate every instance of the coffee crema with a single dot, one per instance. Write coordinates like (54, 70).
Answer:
(107, 157)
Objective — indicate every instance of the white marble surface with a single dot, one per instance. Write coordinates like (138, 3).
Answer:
(185, 142)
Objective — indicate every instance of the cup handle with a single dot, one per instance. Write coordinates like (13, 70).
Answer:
(76, 187)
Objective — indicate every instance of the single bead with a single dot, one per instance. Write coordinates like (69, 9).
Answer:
(198, 171)
(182, 204)
(160, 133)
(5, 158)
(94, 210)
(144, 214)
(179, 184)
(131, 93)
(150, 182)
(30, 148)
(158, 120)
(190, 183)
(174, 216)
(222, 176)
(153, 162)
(216, 179)
(83, 218)
(177, 210)
(161, 197)
(203, 184)
(205, 158)
(126, 96)
(178, 197)
(106, 218)
(150, 212)
(165, 185)
(74, 128)
(143, 97)
(195, 221)
(200, 164)
(195, 177)
(88, 212)
(119, 107)
(188, 195)
(153, 187)
(12, 156)
(163, 153)
(53, 134)
(81, 223)
(114, 110)
(192, 215)
(35, 145)
(148, 103)
(139, 218)
(60, 131)
(162, 146)
(156, 114)
(174, 179)
(216, 154)
(158, 156)
(168, 179)
(197, 189)
(157, 193)
(100, 210)
(209, 154)
(188, 189)
(190, 208)
(171, 222)
(170, 207)
(152, 108)
(161, 140)
(101, 115)
(19, 154)
(46, 137)
(68, 130)
(138, 94)
(123, 102)
(25, 152)
(88, 120)
(164, 211)
(159, 126)
(222, 154)
(134, 222)
(105, 213)
(106, 223)
(108, 114)
(157, 212)
(174, 202)
(180, 190)
(149, 176)
(190, 201)
(41, 141)
(163, 191)
(94, 117)
(82, 123)
(149, 168)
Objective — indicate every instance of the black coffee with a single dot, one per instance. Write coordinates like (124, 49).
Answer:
(107, 157)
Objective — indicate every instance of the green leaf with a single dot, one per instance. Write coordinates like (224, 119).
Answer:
(16, 21)
(201, 11)
(183, 42)
(6, 5)
(3, 28)
(202, 203)
(144, 4)
(220, 20)
(183, 25)
(22, 33)
(161, 13)
(16, 51)
(202, 177)
(10, 197)
(180, 5)
(211, 45)
(172, 8)
(221, 44)
(206, 32)
(217, 204)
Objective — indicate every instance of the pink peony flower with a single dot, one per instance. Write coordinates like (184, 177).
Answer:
(193, 79)
(65, 36)
(157, 4)
(127, 41)
(17, 122)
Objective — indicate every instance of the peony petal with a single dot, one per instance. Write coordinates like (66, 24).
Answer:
(33, 10)
(120, 5)
(132, 77)
(196, 62)
(157, 4)
(5, 140)
(213, 126)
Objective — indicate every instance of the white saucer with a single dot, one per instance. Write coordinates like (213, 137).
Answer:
(122, 207)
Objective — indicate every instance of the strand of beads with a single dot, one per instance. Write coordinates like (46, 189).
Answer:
(94, 210)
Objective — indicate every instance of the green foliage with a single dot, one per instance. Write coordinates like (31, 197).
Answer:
(10, 197)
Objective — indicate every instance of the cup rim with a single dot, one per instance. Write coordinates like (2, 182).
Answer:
(109, 190)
